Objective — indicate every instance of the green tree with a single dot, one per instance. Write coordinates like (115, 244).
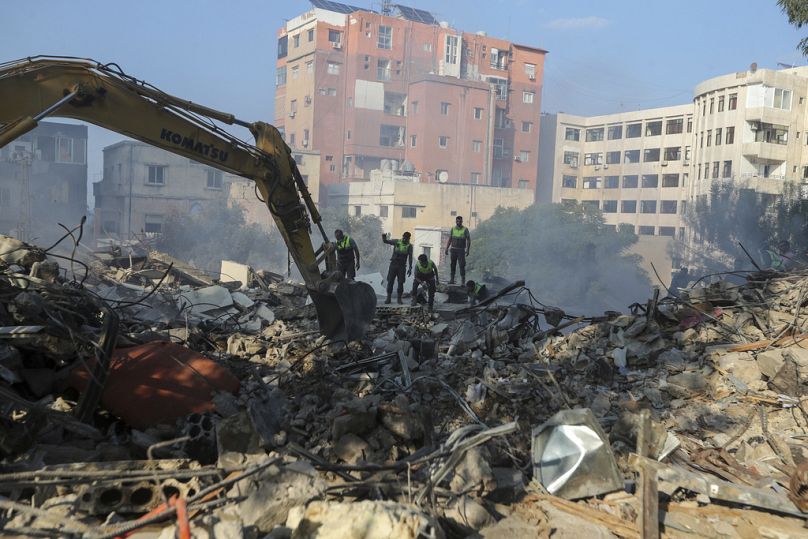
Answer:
(565, 253)
(797, 11)
(366, 231)
(217, 233)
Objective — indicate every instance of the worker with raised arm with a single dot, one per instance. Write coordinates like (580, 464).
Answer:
(347, 255)
(401, 259)
(426, 273)
(459, 244)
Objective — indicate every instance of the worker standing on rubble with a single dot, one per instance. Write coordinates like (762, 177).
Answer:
(347, 255)
(426, 273)
(459, 244)
(477, 292)
(402, 256)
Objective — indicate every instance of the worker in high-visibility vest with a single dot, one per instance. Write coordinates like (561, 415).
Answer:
(459, 245)
(426, 273)
(402, 258)
(477, 292)
(347, 255)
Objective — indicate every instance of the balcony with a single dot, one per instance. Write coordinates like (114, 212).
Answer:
(765, 150)
(768, 115)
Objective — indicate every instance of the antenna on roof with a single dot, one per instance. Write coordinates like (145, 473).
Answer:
(387, 8)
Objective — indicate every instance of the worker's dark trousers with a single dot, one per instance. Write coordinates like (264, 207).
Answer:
(396, 272)
(458, 255)
(430, 287)
(347, 268)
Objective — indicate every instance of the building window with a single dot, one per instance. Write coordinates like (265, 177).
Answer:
(572, 134)
(527, 97)
(475, 178)
(443, 141)
(527, 127)
(414, 108)
(478, 113)
(668, 206)
(674, 126)
(428, 47)
(613, 158)
(569, 181)
(628, 206)
(476, 146)
(296, 40)
(283, 46)
(650, 180)
(730, 138)
(408, 212)
(650, 155)
(648, 206)
(310, 35)
(687, 153)
(718, 136)
(450, 56)
(334, 37)
(592, 182)
(413, 141)
(634, 130)
(383, 70)
(690, 125)
(333, 68)
(383, 211)
(712, 104)
(645, 230)
(153, 224)
(523, 184)
(524, 156)
(280, 76)
(716, 164)
(670, 180)
(673, 153)
(728, 170)
(782, 99)
(709, 137)
(530, 71)
(385, 37)
(310, 67)
(733, 102)
(684, 178)
(594, 135)
(444, 108)
(631, 156)
(357, 211)
(157, 175)
(570, 158)
(614, 132)
(501, 120)
(721, 103)
(214, 179)
(667, 231)
(631, 181)
(295, 72)
(609, 206)
(653, 129)
(391, 136)
(612, 182)
(593, 204)
(328, 91)
(502, 87)
(593, 158)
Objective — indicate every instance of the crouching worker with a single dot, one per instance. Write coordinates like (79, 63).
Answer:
(426, 273)
(477, 292)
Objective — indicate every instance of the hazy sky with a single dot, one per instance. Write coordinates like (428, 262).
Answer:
(604, 55)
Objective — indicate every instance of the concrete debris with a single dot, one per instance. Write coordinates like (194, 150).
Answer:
(221, 397)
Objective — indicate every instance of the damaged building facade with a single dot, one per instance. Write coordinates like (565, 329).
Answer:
(143, 185)
(406, 92)
(43, 180)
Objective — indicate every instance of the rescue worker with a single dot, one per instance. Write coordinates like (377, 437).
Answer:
(402, 257)
(477, 292)
(460, 244)
(680, 280)
(347, 255)
(777, 258)
(426, 273)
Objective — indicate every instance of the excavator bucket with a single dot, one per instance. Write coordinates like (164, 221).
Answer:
(347, 313)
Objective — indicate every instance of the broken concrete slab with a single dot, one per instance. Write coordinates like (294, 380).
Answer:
(334, 520)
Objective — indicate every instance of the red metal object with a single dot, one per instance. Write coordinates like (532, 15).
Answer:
(183, 525)
(159, 382)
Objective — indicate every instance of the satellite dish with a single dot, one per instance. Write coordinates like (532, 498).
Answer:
(443, 177)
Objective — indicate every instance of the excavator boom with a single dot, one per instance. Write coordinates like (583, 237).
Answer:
(104, 95)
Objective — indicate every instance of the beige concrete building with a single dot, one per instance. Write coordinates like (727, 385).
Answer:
(242, 190)
(143, 185)
(633, 166)
(750, 128)
(403, 203)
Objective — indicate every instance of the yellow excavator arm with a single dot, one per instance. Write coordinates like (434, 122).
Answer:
(102, 94)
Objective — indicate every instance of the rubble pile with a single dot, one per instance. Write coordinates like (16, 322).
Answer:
(139, 396)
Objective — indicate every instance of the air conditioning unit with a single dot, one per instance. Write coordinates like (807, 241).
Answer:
(307, 100)
(516, 158)
(292, 114)
(605, 167)
(336, 45)
(664, 163)
(597, 167)
(754, 126)
(532, 77)
(305, 143)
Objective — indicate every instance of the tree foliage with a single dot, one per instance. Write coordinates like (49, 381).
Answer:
(366, 231)
(565, 253)
(217, 233)
(730, 215)
(797, 11)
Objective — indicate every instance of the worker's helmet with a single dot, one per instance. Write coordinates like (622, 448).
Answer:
(338, 233)
(406, 235)
(470, 285)
(422, 259)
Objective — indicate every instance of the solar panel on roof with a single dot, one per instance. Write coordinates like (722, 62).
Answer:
(334, 6)
(414, 14)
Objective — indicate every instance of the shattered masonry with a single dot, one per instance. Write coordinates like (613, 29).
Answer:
(138, 394)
